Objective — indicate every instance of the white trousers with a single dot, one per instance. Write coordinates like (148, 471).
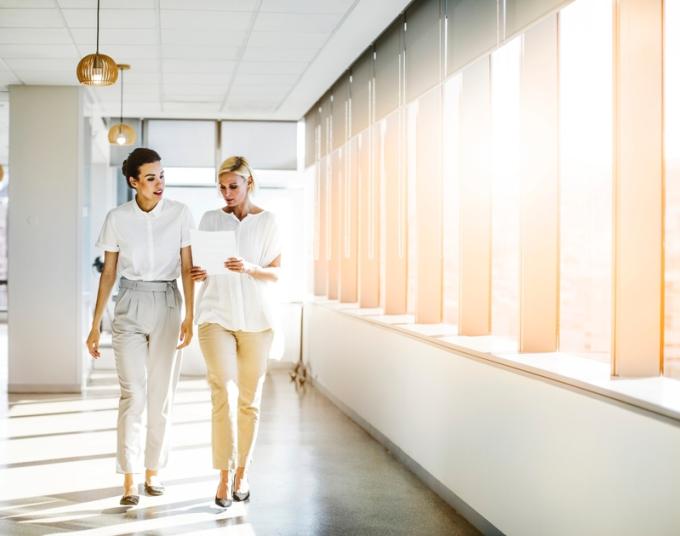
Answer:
(145, 336)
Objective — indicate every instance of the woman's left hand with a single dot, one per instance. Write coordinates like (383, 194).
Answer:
(186, 332)
(237, 264)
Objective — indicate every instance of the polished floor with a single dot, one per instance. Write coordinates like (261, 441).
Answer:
(314, 471)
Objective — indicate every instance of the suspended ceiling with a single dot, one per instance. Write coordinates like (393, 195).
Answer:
(242, 59)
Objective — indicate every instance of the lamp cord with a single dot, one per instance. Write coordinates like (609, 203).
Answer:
(97, 53)
(122, 76)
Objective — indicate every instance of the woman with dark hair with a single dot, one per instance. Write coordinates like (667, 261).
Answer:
(146, 241)
(236, 314)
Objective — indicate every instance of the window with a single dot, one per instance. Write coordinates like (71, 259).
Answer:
(586, 177)
(505, 72)
(672, 164)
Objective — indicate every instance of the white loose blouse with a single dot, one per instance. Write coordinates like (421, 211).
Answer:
(147, 243)
(238, 301)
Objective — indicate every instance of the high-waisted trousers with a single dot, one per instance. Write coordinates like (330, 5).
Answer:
(237, 364)
(145, 335)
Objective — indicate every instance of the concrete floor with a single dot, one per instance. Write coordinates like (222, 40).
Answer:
(314, 472)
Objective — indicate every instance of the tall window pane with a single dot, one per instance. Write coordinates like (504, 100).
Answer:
(450, 192)
(505, 70)
(672, 163)
(586, 177)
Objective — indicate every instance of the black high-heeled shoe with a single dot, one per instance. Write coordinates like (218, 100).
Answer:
(154, 489)
(240, 496)
(222, 503)
(129, 500)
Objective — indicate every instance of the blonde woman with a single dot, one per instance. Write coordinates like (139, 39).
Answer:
(146, 241)
(235, 316)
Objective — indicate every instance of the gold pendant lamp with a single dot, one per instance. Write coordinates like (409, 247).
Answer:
(120, 133)
(97, 69)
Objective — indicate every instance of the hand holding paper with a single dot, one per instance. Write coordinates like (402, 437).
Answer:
(210, 250)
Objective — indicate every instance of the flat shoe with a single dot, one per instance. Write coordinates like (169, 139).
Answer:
(241, 496)
(154, 489)
(129, 500)
(222, 503)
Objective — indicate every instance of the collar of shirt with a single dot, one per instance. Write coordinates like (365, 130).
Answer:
(153, 213)
(246, 217)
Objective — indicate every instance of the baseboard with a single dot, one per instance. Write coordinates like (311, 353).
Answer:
(459, 505)
(37, 388)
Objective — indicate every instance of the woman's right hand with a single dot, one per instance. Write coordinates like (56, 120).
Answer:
(198, 273)
(93, 343)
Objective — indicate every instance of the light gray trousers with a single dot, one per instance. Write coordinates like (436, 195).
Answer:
(145, 331)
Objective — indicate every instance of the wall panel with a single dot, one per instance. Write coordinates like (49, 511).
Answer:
(472, 31)
(388, 70)
(422, 47)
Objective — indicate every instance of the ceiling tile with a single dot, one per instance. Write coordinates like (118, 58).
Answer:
(191, 107)
(190, 89)
(200, 53)
(268, 54)
(143, 65)
(135, 77)
(258, 91)
(209, 79)
(27, 3)
(226, 21)
(300, 22)
(287, 40)
(38, 51)
(40, 64)
(130, 53)
(190, 97)
(266, 79)
(215, 5)
(110, 18)
(177, 36)
(198, 66)
(30, 18)
(306, 6)
(114, 36)
(108, 4)
(132, 109)
(247, 106)
(48, 79)
(35, 36)
(272, 67)
(131, 93)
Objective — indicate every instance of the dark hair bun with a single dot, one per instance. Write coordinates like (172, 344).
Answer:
(135, 160)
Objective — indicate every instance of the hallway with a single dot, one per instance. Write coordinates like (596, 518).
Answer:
(315, 471)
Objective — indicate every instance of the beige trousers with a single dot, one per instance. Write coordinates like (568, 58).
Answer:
(145, 330)
(237, 363)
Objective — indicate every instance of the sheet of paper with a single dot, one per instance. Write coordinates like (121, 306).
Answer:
(210, 249)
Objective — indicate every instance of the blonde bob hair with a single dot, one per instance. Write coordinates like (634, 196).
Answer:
(240, 166)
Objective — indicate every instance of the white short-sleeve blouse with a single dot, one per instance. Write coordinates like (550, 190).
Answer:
(147, 243)
(239, 302)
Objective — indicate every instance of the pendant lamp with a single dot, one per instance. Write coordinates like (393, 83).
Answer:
(120, 133)
(2, 173)
(97, 69)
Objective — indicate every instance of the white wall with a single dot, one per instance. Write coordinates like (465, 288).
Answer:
(47, 222)
(529, 456)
